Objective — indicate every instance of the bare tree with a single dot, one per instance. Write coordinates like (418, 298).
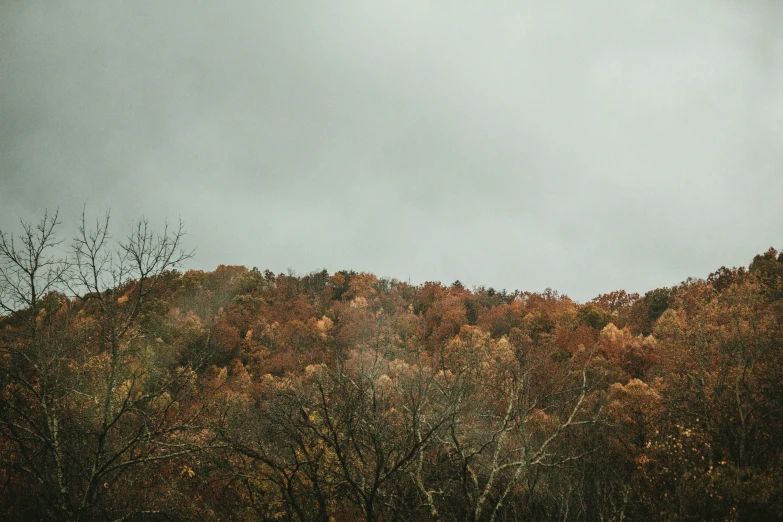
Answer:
(504, 427)
(87, 404)
(376, 419)
(32, 348)
(29, 270)
(350, 431)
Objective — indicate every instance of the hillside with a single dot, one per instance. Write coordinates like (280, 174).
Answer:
(134, 391)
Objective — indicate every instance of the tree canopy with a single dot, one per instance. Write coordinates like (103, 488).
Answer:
(131, 390)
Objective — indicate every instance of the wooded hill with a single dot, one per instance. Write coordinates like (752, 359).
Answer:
(132, 391)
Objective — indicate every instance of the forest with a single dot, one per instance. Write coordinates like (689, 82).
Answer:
(133, 390)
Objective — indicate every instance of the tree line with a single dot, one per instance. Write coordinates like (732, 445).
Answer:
(131, 390)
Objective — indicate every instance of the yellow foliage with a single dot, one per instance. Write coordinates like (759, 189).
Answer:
(324, 325)
(359, 302)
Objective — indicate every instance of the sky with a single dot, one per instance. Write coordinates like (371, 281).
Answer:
(583, 146)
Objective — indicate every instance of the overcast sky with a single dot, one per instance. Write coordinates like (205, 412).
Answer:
(584, 146)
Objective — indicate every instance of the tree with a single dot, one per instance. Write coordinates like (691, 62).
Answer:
(503, 428)
(33, 352)
(89, 405)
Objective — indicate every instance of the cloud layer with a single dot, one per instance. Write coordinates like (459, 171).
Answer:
(586, 147)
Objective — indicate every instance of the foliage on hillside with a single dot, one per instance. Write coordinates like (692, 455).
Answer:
(131, 391)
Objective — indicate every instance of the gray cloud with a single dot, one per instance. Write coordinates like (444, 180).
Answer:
(584, 146)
